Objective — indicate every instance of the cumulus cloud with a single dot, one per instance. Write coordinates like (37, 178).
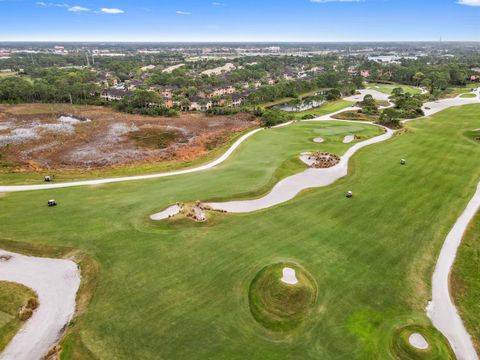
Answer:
(469, 2)
(111, 11)
(77, 8)
(179, 12)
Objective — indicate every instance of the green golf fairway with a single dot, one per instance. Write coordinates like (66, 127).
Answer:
(180, 290)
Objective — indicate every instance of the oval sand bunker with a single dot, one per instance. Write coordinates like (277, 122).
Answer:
(348, 139)
(418, 341)
(167, 213)
(289, 276)
(318, 140)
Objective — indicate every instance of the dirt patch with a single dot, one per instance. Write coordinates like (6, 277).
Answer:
(36, 137)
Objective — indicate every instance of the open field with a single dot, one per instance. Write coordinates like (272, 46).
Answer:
(466, 280)
(12, 298)
(35, 138)
(388, 88)
(180, 290)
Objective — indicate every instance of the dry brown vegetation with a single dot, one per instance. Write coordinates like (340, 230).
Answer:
(33, 138)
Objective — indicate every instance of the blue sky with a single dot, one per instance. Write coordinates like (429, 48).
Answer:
(239, 20)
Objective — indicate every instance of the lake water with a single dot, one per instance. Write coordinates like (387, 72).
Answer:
(307, 105)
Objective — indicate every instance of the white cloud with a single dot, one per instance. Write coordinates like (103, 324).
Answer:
(44, 4)
(178, 12)
(77, 8)
(217, 4)
(111, 11)
(469, 2)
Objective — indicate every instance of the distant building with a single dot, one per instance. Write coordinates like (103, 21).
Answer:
(365, 73)
(113, 94)
(199, 103)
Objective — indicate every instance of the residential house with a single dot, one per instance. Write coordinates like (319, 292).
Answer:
(113, 94)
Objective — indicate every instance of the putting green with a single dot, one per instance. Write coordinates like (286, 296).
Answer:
(335, 130)
(180, 290)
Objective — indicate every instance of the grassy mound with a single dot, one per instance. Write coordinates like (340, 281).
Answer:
(277, 305)
(401, 348)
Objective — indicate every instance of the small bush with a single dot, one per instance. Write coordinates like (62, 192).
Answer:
(32, 303)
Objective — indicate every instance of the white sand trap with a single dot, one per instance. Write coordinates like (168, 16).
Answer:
(318, 140)
(289, 276)
(348, 139)
(167, 213)
(56, 282)
(307, 158)
(418, 341)
(441, 310)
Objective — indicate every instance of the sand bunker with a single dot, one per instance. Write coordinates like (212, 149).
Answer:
(289, 276)
(318, 140)
(348, 139)
(56, 282)
(418, 341)
(167, 213)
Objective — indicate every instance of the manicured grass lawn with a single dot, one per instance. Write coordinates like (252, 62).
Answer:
(180, 290)
(388, 88)
(468, 95)
(324, 109)
(12, 298)
(466, 280)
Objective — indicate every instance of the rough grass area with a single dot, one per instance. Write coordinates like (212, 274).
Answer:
(180, 290)
(279, 306)
(466, 280)
(356, 115)
(39, 138)
(156, 138)
(12, 298)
